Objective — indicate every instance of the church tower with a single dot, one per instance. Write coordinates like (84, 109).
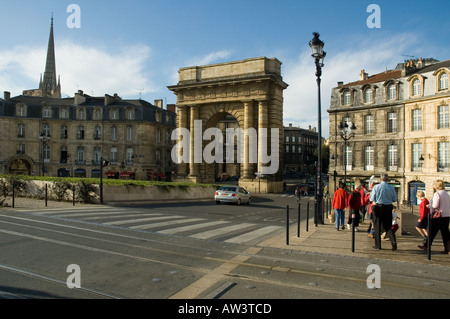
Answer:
(48, 85)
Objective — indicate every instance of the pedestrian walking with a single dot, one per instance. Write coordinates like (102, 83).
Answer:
(364, 202)
(354, 205)
(394, 223)
(372, 183)
(383, 195)
(440, 211)
(422, 222)
(339, 203)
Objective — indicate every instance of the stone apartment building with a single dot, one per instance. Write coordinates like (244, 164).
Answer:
(43, 133)
(299, 149)
(401, 119)
(69, 136)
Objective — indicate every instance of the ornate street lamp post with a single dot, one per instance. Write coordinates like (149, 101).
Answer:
(318, 54)
(44, 138)
(346, 133)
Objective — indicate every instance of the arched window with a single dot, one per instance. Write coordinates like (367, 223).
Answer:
(443, 81)
(98, 114)
(368, 95)
(114, 114)
(46, 112)
(392, 92)
(416, 87)
(81, 114)
(130, 114)
(347, 98)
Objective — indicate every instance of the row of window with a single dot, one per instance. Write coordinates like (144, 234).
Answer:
(81, 132)
(300, 139)
(416, 89)
(81, 155)
(443, 158)
(368, 94)
(81, 113)
(443, 120)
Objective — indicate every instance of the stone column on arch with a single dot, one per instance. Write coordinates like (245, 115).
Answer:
(263, 124)
(248, 147)
(193, 166)
(182, 122)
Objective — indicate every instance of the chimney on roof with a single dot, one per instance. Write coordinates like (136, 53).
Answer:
(363, 75)
(79, 98)
(6, 96)
(109, 99)
(290, 124)
(340, 83)
(171, 108)
(159, 103)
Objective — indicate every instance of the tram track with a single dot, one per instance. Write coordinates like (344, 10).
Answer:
(238, 268)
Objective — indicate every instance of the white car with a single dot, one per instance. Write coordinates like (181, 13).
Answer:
(232, 194)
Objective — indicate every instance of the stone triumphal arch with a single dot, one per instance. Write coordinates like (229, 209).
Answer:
(242, 96)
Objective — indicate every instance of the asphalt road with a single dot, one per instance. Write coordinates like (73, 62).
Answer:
(184, 252)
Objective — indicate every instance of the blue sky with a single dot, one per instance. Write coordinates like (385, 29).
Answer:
(135, 47)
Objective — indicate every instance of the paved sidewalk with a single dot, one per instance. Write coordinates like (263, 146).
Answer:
(326, 239)
(320, 239)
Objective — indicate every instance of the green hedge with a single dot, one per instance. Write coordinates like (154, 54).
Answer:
(107, 181)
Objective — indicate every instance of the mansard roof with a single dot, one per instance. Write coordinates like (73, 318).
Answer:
(376, 78)
(144, 111)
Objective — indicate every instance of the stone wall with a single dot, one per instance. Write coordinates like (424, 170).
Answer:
(125, 194)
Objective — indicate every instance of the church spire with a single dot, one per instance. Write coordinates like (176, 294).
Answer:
(49, 85)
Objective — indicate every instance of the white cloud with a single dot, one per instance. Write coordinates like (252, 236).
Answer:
(97, 71)
(213, 57)
(300, 98)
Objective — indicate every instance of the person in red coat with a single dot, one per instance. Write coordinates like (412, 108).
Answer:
(354, 204)
(339, 203)
(424, 210)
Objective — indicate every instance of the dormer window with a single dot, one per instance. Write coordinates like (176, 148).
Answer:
(46, 112)
(81, 114)
(114, 114)
(392, 92)
(416, 87)
(443, 81)
(368, 95)
(416, 83)
(347, 98)
(441, 76)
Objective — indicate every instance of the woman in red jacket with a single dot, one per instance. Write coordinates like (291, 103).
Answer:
(339, 203)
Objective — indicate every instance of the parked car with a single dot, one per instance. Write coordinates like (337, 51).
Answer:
(232, 194)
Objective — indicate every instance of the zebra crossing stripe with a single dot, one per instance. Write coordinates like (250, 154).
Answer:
(172, 222)
(190, 227)
(252, 235)
(221, 231)
(123, 215)
(90, 214)
(138, 220)
(52, 211)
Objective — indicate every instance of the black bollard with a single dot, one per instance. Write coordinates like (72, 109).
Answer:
(353, 231)
(46, 193)
(428, 240)
(287, 225)
(298, 220)
(307, 216)
(13, 195)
